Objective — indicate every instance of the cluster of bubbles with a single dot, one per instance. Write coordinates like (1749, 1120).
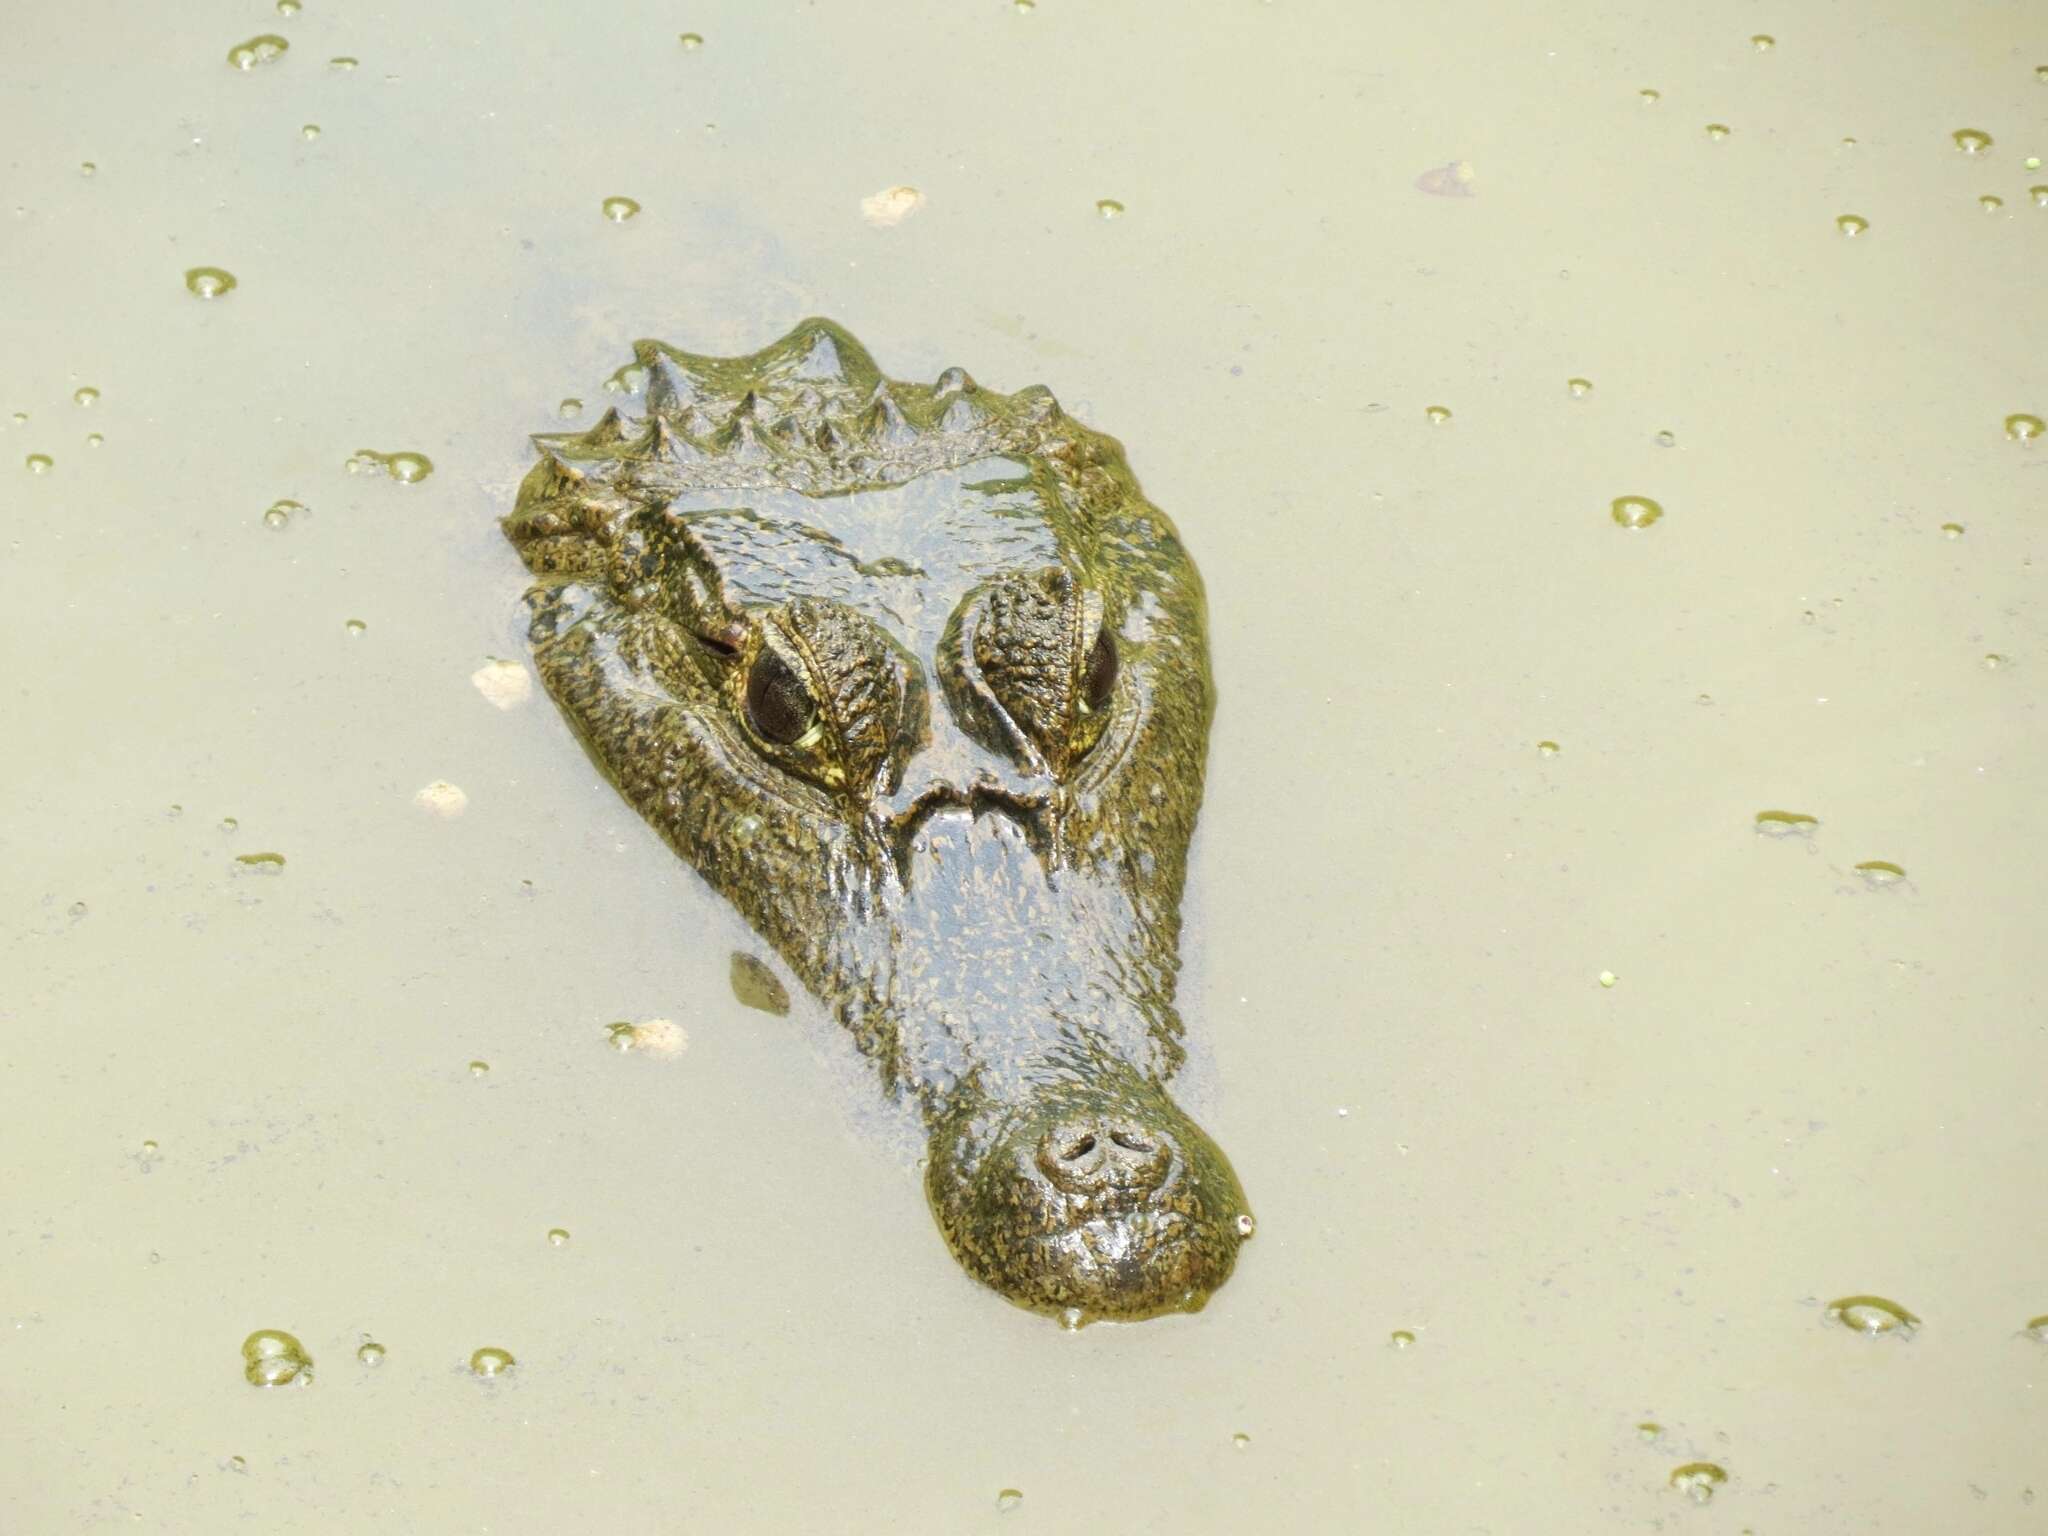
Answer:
(271, 1357)
(404, 466)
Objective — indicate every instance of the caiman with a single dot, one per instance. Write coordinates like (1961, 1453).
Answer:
(916, 678)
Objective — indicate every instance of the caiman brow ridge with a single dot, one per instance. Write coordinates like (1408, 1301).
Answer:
(973, 853)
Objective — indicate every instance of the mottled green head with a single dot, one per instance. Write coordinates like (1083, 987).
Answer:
(916, 677)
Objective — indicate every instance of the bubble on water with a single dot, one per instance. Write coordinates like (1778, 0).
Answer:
(629, 380)
(1023, 7)
(309, 131)
(1579, 387)
(744, 829)
(1649, 96)
(1635, 511)
(691, 41)
(1649, 1429)
(342, 62)
(2039, 195)
(20, 418)
(1401, 1338)
(280, 513)
(228, 824)
(1667, 439)
(1951, 530)
(1109, 208)
(1879, 873)
(1699, 1480)
(1073, 1319)
(85, 394)
(479, 1069)
(443, 799)
(1786, 823)
(619, 209)
(87, 168)
(2037, 1328)
(271, 1357)
(1971, 141)
(76, 910)
(263, 49)
(756, 986)
(1763, 42)
(1718, 130)
(1008, 1498)
(506, 684)
(491, 1361)
(1990, 202)
(149, 1148)
(1851, 225)
(1547, 748)
(40, 463)
(1246, 1225)
(93, 439)
(570, 407)
(1438, 415)
(1241, 1440)
(2024, 427)
(1872, 1316)
(558, 1237)
(1608, 978)
(209, 282)
(1996, 661)
(353, 626)
(287, 7)
(405, 466)
(266, 862)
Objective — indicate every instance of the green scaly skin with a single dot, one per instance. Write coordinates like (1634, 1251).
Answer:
(917, 679)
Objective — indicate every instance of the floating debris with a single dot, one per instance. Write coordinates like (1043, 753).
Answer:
(443, 799)
(655, 1037)
(506, 684)
(758, 987)
(1454, 178)
(891, 205)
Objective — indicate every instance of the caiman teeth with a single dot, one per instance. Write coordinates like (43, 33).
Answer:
(884, 422)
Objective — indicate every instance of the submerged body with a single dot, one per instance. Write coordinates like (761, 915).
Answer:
(916, 678)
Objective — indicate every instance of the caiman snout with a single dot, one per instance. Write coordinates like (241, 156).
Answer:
(1099, 1155)
(1088, 1199)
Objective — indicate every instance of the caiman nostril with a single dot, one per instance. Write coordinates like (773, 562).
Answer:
(1091, 1158)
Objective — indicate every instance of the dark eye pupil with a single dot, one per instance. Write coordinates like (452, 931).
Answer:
(1100, 677)
(777, 705)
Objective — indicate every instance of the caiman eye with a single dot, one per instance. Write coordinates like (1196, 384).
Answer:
(1098, 680)
(778, 706)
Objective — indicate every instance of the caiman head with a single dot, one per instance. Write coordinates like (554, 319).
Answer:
(917, 679)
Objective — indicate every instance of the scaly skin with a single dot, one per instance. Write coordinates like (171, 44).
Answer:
(917, 679)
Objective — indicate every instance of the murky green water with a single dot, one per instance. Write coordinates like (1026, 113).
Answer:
(1597, 1099)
